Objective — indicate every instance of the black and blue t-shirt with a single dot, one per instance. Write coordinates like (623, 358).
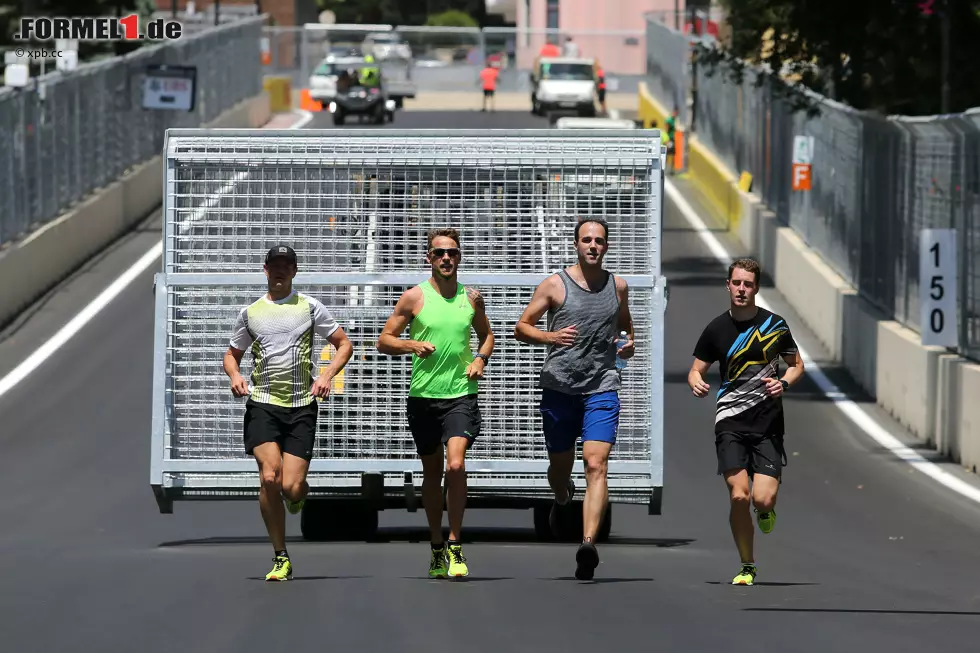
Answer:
(747, 352)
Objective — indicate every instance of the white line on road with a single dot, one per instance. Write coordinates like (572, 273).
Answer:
(65, 333)
(858, 416)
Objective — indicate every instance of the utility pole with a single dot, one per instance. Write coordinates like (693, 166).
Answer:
(677, 15)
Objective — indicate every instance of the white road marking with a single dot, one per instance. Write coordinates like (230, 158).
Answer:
(65, 333)
(858, 416)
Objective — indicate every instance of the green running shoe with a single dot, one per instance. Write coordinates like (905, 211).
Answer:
(767, 520)
(746, 576)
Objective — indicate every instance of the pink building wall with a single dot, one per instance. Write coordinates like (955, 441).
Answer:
(583, 20)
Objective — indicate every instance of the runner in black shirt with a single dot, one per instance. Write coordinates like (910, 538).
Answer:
(747, 342)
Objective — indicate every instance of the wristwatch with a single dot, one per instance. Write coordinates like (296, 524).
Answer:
(785, 385)
(486, 359)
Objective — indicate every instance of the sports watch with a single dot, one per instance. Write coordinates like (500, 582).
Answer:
(486, 359)
(785, 385)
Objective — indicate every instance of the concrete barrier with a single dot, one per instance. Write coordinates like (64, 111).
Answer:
(812, 288)
(932, 393)
(47, 256)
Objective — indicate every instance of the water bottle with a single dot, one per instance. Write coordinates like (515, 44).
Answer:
(621, 342)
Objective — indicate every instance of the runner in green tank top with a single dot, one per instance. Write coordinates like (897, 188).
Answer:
(442, 399)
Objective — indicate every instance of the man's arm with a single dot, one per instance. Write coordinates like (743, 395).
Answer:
(541, 301)
(484, 334)
(794, 373)
(791, 354)
(625, 321)
(232, 365)
(390, 342)
(695, 378)
(241, 339)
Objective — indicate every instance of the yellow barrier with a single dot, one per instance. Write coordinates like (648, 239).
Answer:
(280, 93)
(719, 186)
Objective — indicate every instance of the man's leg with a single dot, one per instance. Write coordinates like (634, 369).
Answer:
(294, 484)
(600, 423)
(456, 485)
(739, 517)
(269, 458)
(595, 456)
(297, 451)
(562, 423)
(432, 494)
(767, 462)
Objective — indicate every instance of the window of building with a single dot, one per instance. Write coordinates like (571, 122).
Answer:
(553, 14)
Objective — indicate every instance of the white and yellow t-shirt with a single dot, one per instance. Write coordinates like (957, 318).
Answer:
(280, 334)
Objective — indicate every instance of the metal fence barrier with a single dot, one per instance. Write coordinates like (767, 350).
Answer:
(876, 181)
(68, 134)
(356, 205)
(447, 59)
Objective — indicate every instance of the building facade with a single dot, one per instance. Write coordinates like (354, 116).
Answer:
(611, 31)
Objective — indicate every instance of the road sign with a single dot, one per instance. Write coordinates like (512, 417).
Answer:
(170, 87)
(937, 287)
(801, 176)
(803, 149)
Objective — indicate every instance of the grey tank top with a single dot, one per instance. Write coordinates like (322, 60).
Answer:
(588, 366)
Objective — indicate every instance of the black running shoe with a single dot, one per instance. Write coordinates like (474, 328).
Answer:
(587, 559)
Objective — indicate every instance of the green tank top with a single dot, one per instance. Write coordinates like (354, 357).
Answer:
(446, 323)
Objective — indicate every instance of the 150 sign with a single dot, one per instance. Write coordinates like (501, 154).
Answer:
(937, 287)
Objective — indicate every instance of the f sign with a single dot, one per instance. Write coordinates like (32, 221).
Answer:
(801, 176)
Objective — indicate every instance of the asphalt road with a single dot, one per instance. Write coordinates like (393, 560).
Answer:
(867, 555)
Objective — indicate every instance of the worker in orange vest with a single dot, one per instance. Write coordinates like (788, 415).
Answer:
(600, 78)
(488, 76)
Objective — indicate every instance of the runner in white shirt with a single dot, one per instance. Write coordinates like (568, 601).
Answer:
(281, 412)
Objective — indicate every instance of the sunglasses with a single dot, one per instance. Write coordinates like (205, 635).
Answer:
(439, 252)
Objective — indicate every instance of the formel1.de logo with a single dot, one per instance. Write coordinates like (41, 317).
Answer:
(97, 28)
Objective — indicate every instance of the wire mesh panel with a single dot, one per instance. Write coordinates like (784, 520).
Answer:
(356, 206)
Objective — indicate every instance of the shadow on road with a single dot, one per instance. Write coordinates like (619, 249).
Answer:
(869, 611)
(475, 535)
(763, 584)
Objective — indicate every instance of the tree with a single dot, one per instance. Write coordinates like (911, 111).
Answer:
(882, 55)
(451, 18)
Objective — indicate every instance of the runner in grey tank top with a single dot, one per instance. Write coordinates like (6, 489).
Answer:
(589, 364)
(587, 307)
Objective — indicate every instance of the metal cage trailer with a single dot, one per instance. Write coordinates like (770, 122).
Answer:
(356, 206)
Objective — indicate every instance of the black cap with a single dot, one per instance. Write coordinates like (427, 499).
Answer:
(283, 251)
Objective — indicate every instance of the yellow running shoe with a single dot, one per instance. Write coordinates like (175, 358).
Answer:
(294, 508)
(746, 576)
(282, 570)
(457, 563)
(437, 566)
(767, 520)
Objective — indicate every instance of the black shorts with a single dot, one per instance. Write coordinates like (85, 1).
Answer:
(435, 421)
(487, 92)
(757, 453)
(602, 94)
(293, 429)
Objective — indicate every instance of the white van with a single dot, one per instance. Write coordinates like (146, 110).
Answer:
(563, 84)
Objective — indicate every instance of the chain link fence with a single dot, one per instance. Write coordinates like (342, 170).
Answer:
(449, 59)
(67, 134)
(876, 181)
(668, 64)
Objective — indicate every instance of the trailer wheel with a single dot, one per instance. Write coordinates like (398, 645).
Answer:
(325, 519)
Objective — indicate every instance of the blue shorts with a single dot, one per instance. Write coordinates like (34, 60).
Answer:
(566, 418)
